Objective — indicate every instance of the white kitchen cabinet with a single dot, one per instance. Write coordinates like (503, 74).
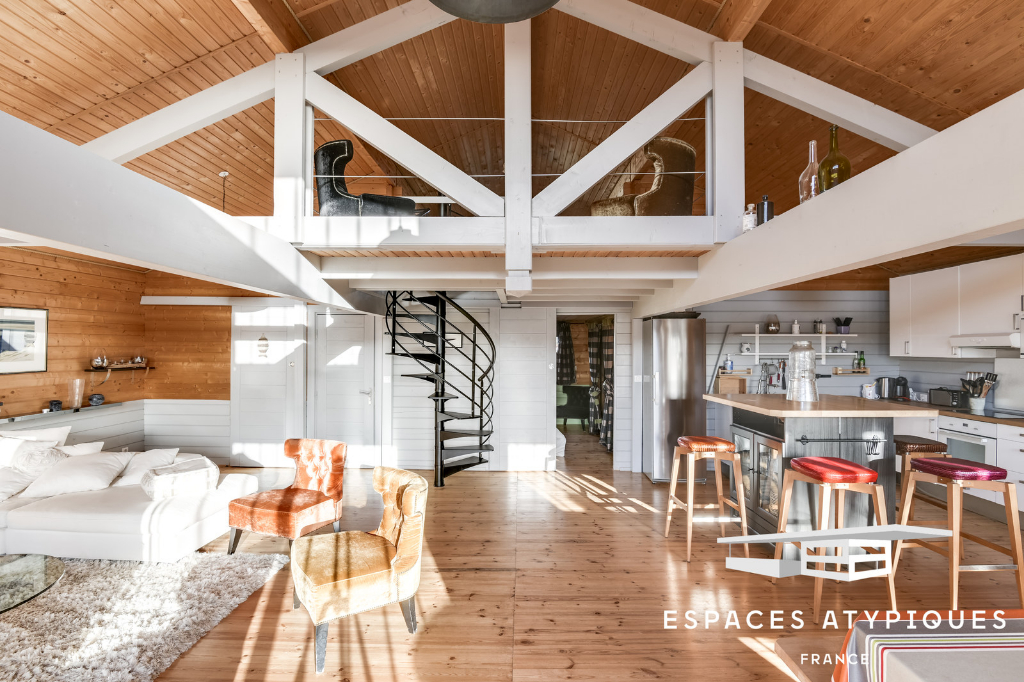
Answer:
(899, 316)
(990, 295)
(934, 312)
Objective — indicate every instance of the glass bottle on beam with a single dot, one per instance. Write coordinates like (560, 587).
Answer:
(835, 167)
(809, 186)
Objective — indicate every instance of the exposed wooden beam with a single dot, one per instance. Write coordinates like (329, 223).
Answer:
(108, 211)
(518, 148)
(275, 23)
(612, 272)
(605, 157)
(907, 205)
(727, 138)
(402, 148)
(735, 18)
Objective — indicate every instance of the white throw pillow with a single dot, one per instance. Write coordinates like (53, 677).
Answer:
(12, 482)
(142, 462)
(78, 474)
(57, 433)
(35, 457)
(81, 449)
(8, 446)
(191, 477)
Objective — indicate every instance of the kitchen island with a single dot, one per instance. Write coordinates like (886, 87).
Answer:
(769, 430)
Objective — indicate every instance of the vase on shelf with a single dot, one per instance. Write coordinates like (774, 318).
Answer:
(76, 388)
(809, 186)
(835, 167)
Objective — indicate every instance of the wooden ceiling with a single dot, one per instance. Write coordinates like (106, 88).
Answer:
(80, 68)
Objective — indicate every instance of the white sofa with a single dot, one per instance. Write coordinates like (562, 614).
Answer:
(119, 522)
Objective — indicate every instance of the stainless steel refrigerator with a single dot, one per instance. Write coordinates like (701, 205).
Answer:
(674, 386)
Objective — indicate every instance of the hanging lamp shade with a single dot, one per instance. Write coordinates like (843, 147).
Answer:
(495, 11)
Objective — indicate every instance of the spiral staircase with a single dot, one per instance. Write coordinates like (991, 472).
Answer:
(457, 357)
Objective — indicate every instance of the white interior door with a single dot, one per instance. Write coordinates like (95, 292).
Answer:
(344, 400)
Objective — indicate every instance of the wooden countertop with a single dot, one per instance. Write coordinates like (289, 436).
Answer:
(828, 406)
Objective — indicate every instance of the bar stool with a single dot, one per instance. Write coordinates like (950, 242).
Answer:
(909, 448)
(957, 475)
(840, 476)
(706, 447)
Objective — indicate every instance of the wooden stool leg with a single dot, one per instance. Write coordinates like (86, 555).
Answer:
(741, 497)
(881, 519)
(911, 502)
(721, 495)
(954, 514)
(824, 507)
(1013, 525)
(672, 488)
(691, 471)
(904, 477)
(787, 494)
(840, 514)
(905, 509)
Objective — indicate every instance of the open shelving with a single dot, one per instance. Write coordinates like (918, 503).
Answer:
(824, 353)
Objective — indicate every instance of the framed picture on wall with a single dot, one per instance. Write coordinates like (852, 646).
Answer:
(22, 340)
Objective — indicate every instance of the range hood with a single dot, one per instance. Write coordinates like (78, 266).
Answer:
(1001, 345)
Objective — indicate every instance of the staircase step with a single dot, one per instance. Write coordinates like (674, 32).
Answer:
(443, 396)
(429, 376)
(462, 450)
(450, 469)
(420, 317)
(448, 434)
(433, 358)
(426, 300)
(445, 416)
(421, 336)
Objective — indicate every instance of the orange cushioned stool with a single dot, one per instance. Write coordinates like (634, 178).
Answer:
(831, 474)
(706, 447)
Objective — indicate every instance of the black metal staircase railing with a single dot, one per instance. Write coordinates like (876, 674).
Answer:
(422, 328)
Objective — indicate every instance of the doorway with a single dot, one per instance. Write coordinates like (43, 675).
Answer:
(344, 373)
(584, 379)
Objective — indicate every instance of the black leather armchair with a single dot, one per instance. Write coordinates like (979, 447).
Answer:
(577, 405)
(330, 160)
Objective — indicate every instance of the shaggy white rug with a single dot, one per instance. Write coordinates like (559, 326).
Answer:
(125, 621)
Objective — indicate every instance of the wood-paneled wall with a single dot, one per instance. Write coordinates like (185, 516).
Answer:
(581, 349)
(92, 306)
(96, 305)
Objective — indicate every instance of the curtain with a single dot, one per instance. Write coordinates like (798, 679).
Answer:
(565, 357)
(608, 386)
(596, 372)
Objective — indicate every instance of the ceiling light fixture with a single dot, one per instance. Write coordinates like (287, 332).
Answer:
(495, 11)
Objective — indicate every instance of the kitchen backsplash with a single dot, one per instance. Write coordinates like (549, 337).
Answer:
(926, 373)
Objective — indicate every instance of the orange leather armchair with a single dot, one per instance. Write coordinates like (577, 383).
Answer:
(311, 502)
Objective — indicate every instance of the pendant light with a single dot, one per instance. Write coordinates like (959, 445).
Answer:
(495, 11)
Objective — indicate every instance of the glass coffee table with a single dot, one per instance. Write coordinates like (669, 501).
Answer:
(26, 576)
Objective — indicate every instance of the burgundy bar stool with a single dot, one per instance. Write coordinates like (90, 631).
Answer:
(838, 475)
(706, 447)
(956, 475)
(909, 448)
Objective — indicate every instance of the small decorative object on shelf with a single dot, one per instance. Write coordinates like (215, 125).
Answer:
(801, 370)
(809, 186)
(55, 405)
(76, 389)
(772, 326)
(99, 358)
(746, 347)
(765, 210)
(796, 328)
(842, 324)
(835, 167)
(861, 362)
(819, 327)
(96, 399)
(750, 218)
(728, 362)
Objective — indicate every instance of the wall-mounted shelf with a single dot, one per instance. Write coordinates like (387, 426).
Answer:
(108, 370)
(52, 415)
(824, 353)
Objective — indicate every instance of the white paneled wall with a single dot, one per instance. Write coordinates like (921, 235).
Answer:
(526, 391)
(869, 310)
(622, 435)
(199, 426)
(119, 426)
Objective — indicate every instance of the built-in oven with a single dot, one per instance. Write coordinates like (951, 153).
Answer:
(971, 440)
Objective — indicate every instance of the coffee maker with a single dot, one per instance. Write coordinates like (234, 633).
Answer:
(893, 388)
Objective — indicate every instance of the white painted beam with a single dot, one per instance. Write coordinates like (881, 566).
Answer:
(108, 211)
(833, 104)
(489, 285)
(904, 206)
(186, 116)
(257, 85)
(518, 148)
(402, 148)
(289, 144)
(728, 136)
(604, 158)
(645, 26)
(611, 271)
(630, 233)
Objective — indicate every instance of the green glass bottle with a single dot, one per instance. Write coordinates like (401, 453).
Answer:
(835, 167)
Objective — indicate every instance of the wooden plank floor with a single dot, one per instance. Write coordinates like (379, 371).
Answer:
(556, 576)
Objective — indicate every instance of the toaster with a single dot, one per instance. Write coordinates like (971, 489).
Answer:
(947, 397)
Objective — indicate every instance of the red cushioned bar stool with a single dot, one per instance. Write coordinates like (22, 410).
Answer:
(717, 449)
(831, 474)
(957, 475)
(909, 448)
